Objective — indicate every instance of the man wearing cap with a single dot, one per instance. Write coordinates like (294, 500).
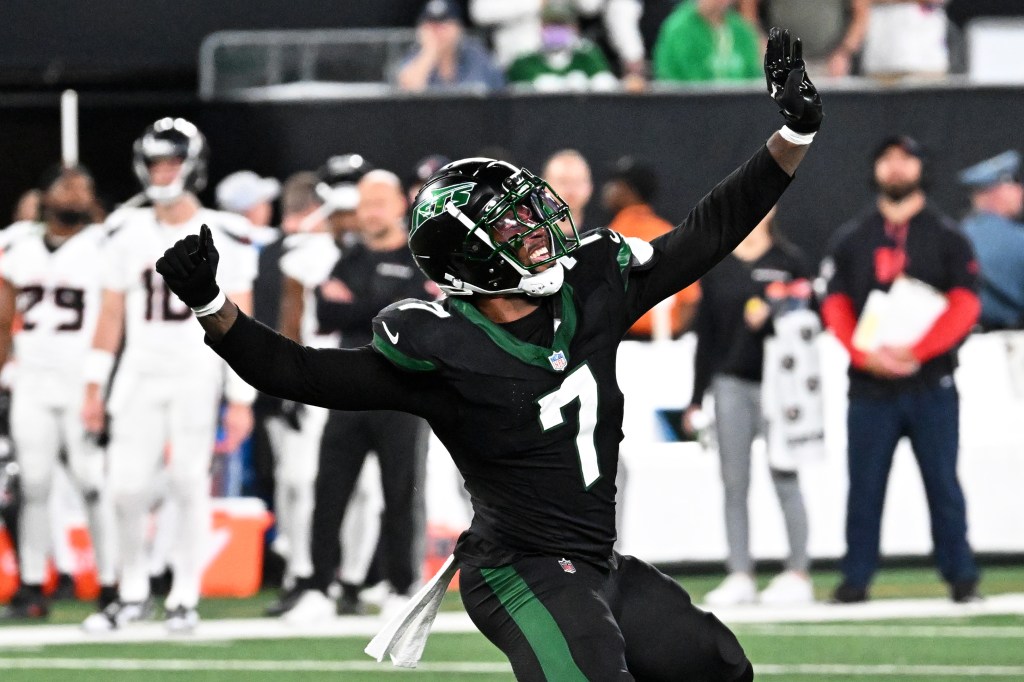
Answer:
(251, 196)
(50, 275)
(905, 390)
(444, 57)
(627, 195)
(995, 229)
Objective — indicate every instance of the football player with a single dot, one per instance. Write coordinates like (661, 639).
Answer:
(50, 277)
(515, 372)
(167, 390)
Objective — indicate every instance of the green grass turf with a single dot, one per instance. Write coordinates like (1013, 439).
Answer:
(893, 642)
(901, 583)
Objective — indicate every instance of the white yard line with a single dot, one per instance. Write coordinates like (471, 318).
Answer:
(921, 631)
(888, 671)
(355, 626)
(457, 667)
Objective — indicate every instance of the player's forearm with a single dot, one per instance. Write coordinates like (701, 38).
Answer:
(786, 154)
(218, 324)
(715, 226)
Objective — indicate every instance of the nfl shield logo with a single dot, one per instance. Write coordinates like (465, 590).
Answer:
(558, 362)
(566, 565)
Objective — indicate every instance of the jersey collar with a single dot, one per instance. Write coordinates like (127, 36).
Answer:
(521, 350)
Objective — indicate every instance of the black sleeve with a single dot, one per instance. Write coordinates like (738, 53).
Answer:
(338, 379)
(715, 226)
(703, 360)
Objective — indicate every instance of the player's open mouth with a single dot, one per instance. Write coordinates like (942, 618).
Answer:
(539, 255)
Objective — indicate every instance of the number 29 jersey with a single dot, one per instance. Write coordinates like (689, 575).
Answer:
(161, 336)
(58, 297)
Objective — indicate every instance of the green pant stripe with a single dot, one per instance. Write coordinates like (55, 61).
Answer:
(536, 623)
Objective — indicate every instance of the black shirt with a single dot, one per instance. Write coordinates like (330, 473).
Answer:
(867, 253)
(534, 429)
(725, 344)
(376, 279)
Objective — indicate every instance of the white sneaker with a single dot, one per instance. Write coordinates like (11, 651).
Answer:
(736, 589)
(117, 615)
(788, 587)
(181, 620)
(312, 607)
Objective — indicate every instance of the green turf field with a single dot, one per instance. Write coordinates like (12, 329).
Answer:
(969, 647)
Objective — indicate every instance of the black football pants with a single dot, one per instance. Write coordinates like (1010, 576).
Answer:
(400, 442)
(562, 620)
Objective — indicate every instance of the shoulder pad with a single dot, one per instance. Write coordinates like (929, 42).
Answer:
(234, 226)
(405, 333)
(15, 232)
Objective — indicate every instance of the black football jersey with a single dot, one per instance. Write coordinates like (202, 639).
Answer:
(534, 429)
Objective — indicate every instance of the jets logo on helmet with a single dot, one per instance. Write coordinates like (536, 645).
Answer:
(481, 226)
(171, 138)
(434, 202)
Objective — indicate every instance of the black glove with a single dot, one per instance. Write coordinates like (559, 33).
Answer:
(789, 85)
(190, 268)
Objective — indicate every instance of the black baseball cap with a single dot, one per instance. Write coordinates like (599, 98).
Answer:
(440, 10)
(639, 176)
(904, 142)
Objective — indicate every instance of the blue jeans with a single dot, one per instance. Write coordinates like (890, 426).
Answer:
(930, 418)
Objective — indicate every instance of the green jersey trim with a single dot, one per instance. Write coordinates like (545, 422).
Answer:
(536, 623)
(399, 358)
(527, 352)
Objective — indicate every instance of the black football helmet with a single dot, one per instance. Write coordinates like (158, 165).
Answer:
(470, 219)
(338, 179)
(172, 138)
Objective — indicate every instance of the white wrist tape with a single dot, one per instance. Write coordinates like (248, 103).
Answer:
(795, 137)
(98, 366)
(211, 307)
(236, 390)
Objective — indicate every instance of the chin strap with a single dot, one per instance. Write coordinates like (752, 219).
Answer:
(544, 283)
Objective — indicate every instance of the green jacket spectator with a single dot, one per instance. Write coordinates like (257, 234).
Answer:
(707, 40)
(581, 67)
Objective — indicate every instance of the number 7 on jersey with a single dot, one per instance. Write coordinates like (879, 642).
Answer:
(578, 385)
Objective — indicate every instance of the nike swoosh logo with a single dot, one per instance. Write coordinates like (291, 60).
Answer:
(393, 337)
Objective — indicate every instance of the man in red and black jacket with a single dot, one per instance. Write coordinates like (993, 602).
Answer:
(903, 391)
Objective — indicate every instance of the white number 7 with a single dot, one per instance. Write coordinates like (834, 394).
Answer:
(578, 385)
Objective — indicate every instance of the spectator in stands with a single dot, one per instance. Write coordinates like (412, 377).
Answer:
(444, 57)
(29, 207)
(707, 40)
(565, 60)
(832, 31)
(249, 195)
(568, 173)
(997, 233)
(732, 325)
(905, 390)
(627, 195)
(425, 167)
(906, 38)
(516, 30)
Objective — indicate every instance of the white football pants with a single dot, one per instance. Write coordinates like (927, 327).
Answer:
(46, 416)
(150, 412)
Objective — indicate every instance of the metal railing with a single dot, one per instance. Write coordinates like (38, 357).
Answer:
(337, 62)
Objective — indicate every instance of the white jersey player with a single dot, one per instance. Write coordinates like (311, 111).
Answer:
(50, 279)
(167, 390)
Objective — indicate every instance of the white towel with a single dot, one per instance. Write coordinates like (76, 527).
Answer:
(791, 396)
(405, 635)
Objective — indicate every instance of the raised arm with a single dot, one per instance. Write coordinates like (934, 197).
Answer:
(337, 379)
(723, 218)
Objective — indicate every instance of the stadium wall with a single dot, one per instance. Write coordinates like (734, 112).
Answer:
(692, 138)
